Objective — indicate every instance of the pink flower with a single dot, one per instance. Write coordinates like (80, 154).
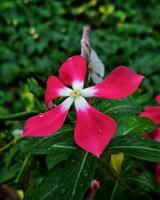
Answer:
(94, 186)
(93, 129)
(153, 113)
(158, 98)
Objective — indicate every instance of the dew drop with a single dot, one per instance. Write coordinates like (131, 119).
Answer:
(100, 131)
(105, 85)
(63, 191)
(72, 161)
(40, 115)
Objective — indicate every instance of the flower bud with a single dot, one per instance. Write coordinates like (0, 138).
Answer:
(116, 162)
(94, 186)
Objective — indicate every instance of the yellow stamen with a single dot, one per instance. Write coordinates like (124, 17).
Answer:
(75, 93)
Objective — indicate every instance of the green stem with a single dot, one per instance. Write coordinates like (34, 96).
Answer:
(114, 190)
(115, 175)
(22, 168)
(7, 146)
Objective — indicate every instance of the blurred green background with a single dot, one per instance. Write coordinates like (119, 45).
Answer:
(36, 36)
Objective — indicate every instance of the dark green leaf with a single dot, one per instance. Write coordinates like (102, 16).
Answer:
(134, 125)
(47, 189)
(119, 107)
(57, 147)
(138, 147)
(110, 190)
(67, 181)
(57, 155)
(63, 140)
(19, 116)
(144, 182)
(8, 174)
(76, 176)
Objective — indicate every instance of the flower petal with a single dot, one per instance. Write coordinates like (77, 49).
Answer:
(55, 89)
(94, 130)
(158, 98)
(47, 123)
(96, 68)
(73, 70)
(120, 83)
(97, 65)
(157, 172)
(153, 113)
(156, 134)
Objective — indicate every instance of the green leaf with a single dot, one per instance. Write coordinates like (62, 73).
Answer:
(118, 108)
(19, 116)
(10, 173)
(110, 190)
(47, 188)
(134, 125)
(56, 155)
(57, 147)
(63, 140)
(137, 147)
(145, 182)
(77, 175)
(34, 87)
(68, 180)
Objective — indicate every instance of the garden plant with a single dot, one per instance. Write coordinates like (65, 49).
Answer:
(79, 104)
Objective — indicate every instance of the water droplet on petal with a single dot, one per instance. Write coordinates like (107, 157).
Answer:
(105, 85)
(100, 131)
(40, 115)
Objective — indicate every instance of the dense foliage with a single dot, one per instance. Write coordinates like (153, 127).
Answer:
(36, 38)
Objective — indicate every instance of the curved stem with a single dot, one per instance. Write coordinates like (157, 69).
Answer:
(22, 168)
(7, 146)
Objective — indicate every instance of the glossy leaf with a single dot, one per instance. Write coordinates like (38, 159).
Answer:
(77, 176)
(134, 125)
(63, 139)
(57, 147)
(137, 147)
(66, 181)
(118, 108)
